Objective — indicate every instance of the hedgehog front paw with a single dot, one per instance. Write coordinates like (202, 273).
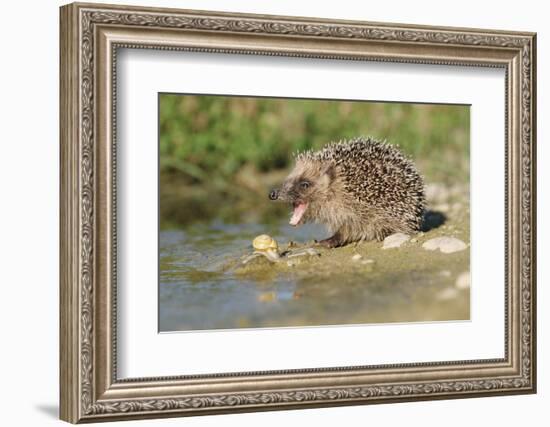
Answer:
(331, 242)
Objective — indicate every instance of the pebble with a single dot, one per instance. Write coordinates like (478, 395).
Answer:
(395, 240)
(436, 193)
(463, 280)
(447, 294)
(445, 244)
(356, 257)
(443, 207)
(445, 273)
(367, 261)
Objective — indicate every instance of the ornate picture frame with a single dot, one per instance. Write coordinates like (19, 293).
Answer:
(90, 37)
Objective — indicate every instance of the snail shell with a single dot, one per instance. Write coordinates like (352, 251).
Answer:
(264, 242)
(267, 246)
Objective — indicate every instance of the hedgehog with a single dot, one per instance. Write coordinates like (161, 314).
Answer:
(361, 189)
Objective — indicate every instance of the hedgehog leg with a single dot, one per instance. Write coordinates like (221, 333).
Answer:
(333, 242)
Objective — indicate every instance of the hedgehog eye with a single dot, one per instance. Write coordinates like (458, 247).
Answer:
(304, 185)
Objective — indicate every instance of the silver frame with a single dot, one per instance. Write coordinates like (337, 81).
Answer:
(90, 37)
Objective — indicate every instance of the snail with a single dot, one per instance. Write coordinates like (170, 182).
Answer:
(266, 246)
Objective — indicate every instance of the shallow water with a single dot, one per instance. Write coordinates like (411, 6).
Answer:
(204, 286)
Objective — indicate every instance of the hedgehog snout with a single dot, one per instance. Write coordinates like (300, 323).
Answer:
(274, 194)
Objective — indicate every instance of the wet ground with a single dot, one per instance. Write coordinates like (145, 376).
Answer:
(204, 285)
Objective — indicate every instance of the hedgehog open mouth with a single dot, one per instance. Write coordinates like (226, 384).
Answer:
(297, 213)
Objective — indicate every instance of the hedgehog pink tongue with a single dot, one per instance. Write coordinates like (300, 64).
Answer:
(298, 213)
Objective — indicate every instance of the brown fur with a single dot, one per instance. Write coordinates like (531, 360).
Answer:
(360, 189)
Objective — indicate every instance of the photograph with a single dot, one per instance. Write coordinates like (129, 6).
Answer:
(287, 212)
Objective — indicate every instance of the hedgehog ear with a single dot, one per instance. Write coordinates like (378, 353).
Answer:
(328, 174)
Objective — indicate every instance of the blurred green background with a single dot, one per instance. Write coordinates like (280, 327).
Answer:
(219, 155)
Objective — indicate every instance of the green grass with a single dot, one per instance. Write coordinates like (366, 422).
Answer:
(205, 135)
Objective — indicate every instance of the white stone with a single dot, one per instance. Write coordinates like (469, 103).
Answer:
(445, 244)
(443, 207)
(367, 261)
(395, 240)
(436, 193)
(447, 294)
(356, 257)
(463, 280)
(445, 273)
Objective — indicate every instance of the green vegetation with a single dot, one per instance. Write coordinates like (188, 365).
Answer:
(231, 149)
